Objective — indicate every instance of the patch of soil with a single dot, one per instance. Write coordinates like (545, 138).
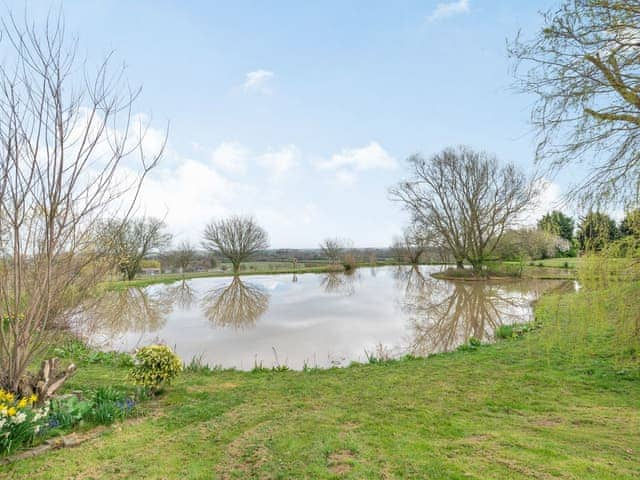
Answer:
(339, 463)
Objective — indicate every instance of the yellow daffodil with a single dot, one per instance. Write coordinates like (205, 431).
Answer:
(11, 411)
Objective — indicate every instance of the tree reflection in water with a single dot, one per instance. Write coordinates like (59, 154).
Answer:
(445, 314)
(237, 304)
(117, 312)
(181, 294)
(340, 283)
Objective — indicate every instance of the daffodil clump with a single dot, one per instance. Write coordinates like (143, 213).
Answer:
(20, 420)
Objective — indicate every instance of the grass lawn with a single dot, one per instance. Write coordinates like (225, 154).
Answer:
(571, 262)
(516, 409)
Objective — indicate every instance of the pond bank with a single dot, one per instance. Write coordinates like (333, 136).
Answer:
(511, 410)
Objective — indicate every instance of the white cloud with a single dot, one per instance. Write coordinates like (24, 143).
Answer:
(231, 157)
(258, 81)
(187, 196)
(279, 162)
(549, 199)
(449, 9)
(349, 161)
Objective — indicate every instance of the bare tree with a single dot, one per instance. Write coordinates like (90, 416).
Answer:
(127, 242)
(332, 249)
(339, 251)
(466, 199)
(583, 68)
(412, 245)
(183, 255)
(236, 238)
(62, 144)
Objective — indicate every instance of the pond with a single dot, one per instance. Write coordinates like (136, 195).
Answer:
(318, 320)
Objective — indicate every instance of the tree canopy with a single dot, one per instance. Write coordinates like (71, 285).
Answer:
(595, 231)
(557, 223)
(583, 69)
(466, 199)
(236, 238)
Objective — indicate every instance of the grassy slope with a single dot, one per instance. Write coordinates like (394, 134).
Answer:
(517, 409)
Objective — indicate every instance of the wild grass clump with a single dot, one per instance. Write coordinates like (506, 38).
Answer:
(472, 344)
(198, 366)
(505, 332)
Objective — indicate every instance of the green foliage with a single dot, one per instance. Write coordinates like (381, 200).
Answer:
(110, 405)
(504, 331)
(155, 366)
(472, 344)
(557, 223)
(68, 411)
(596, 231)
(82, 354)
(630, 225)
(606, 310)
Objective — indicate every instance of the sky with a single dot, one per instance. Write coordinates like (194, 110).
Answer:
(302, 113)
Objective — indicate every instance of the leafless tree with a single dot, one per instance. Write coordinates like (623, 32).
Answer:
(466, 199)
(127, 242)
(183, 255)
(340, 251)
(236, 238)
(412, 245)
(583, 68)
(64, 134)
(332, 248)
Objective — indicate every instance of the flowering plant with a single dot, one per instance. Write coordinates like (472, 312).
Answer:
(154, 366)
(20, 420)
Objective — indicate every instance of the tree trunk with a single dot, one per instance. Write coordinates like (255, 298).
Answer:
(460, 264)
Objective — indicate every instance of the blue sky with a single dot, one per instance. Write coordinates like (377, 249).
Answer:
(302, 113)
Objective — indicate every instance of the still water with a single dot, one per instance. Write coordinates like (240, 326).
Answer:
(314, 319)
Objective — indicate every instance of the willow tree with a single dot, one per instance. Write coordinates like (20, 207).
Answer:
(466, 199)
(64, 135)
(582, 67)
(236, 238)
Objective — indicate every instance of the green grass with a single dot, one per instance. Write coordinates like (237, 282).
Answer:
(521, 408)
(571, 262)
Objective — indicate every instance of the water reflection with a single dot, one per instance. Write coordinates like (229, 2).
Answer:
(237, 305)
(181, 294)
(313, 319)
(445, 314)
(128, 310)
(340, 283)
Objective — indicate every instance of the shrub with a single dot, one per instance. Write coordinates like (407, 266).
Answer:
(20, 421)
(155, 366)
